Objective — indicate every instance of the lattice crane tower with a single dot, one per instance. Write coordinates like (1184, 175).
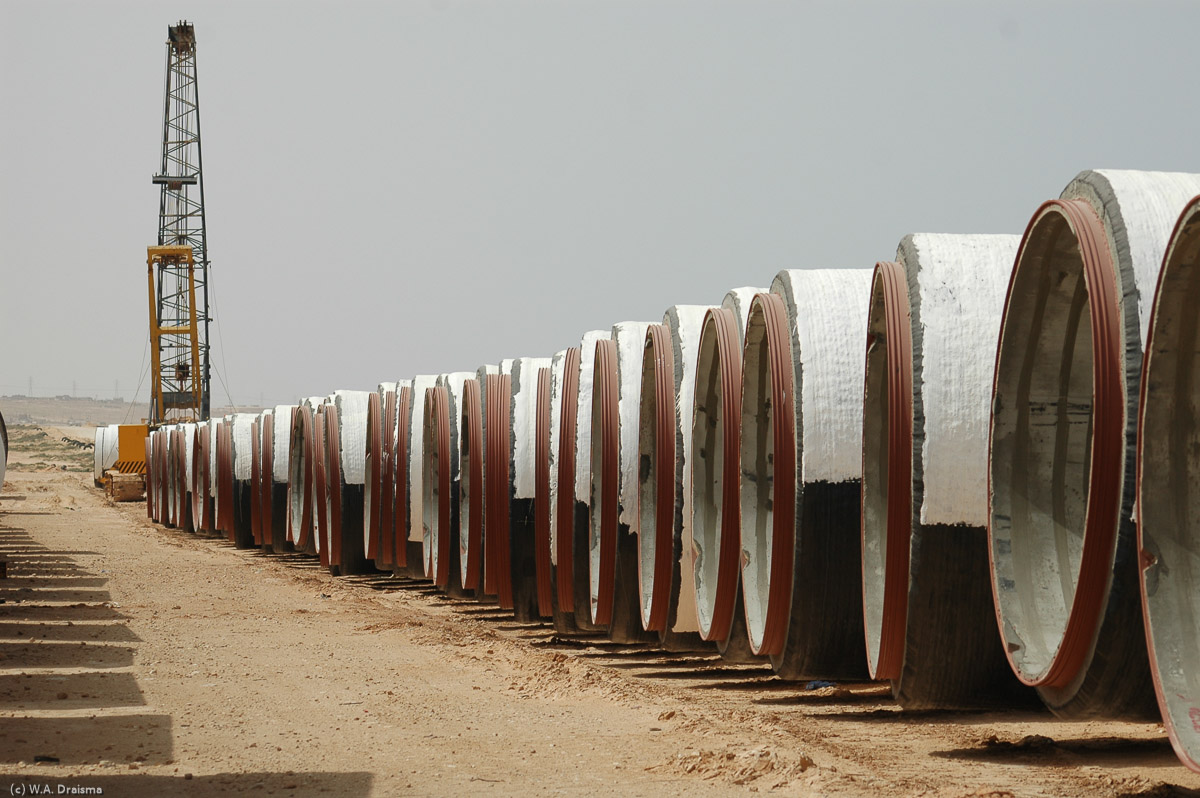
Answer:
(177, 268)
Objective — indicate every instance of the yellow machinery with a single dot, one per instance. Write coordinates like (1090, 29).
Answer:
(176, 391)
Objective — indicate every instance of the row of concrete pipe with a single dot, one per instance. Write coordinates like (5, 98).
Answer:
(996, 509)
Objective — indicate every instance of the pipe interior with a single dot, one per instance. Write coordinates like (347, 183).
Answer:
(1169, 496)
(876, 431)
(1041, 444)
(708, 448)
(465, 443)
(757, 476)
(370, 522)
(429, 488)
(647, 483)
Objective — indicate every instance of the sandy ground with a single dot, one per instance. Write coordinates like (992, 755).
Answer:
(151, 662)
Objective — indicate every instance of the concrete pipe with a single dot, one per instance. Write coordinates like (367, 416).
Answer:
(398, 480)
(148, 449)
(242, 450)
(345, 472)
(564, 385)
(612, 521)
(4, 449)
(497, 569)
(470, 489)
(171, 472)
(521, 490)
(376, 456)
(388, 559)
(442, 481)
(934, 316)
(222, 496)
(1167, 497)
(277, 438)
(1065, 408)
(201, 500)
(320, 489)
(801, 456)
(187, 445)
(255, 482)
(300, 472)
(574, 545)
(104, 454)
(412, 488)
(716, 487)
(666, 566)
(162, 483)
(542, 501)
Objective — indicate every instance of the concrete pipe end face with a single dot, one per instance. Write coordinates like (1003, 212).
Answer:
(1167, 499)
(886, 470)
(716, 419)
(767, 474)
(1057, 444)
(656, 477)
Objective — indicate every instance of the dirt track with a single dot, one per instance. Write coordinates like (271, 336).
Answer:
(152, 662)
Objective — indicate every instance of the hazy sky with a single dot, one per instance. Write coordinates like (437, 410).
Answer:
(424, 187)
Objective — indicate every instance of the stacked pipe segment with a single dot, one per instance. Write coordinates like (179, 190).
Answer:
(1167, 498)
(522, 488)
(580, 524)
(666, 552)
(1063, 540)
(716, 514)
(413, 432)
(817, 606)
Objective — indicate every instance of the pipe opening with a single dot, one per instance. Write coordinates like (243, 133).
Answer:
(602, 510)
(887, 471)
(1057, 451)
(1168, 499)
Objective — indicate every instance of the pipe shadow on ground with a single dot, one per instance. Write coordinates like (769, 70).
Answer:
(69, 691)
(1098, 751)
(349, 784)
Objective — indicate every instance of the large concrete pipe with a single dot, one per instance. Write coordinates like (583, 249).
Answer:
(521, 489)
(612, 521)
(933, 319)
(1168, 496)
(105, 452)
(576, 528)
(277, 439)
(1065, 409)
(542, 501)
(256, 480)
(212, 526)
(716, 468)
(201, 478)
(151, 477)
(666, 568)
(171, 437)
(300, 473)
(471, 506)
(241, 437)
(441, 482)
(411, 489)
(222, 494)
(497, 569)
(564, 389)
(4, 449)
(345, 472)
(375, 461)
(320, 489)
(187, 444)
(801, 472)
(395, 531)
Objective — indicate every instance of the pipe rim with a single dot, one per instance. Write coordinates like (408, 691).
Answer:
(400, 508)
(886, 551)
(1105, 470)
(470, 488)
(300, 478)
(717, 514)
(267, 478)
(566, 480)
(496, 486)
(602, 509)
(770, 416)
(542, 508)
(373, 477)
(256, 482)
(386, 483)
(1182, 722)
(656, 478)
(333, 485)
(320, 487)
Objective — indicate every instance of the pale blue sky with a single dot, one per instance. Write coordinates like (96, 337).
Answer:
(424, 187)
